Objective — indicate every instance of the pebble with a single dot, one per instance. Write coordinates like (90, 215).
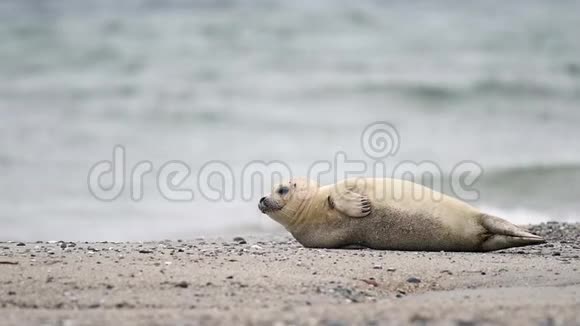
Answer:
(371, 282)
(123, 304)
(21, 244)
(240, 240)
(413, 280)
(182, 284)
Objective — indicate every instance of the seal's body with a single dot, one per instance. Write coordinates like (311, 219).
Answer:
(387, 214)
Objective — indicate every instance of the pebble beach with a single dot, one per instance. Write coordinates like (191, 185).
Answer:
(264, 280)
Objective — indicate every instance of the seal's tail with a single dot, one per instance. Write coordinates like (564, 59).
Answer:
(503, 234)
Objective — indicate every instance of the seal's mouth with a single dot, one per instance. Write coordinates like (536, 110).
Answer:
(265, 206)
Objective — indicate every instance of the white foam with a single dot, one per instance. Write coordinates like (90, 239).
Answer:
(520, 215)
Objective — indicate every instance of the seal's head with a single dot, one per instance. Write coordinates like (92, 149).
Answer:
(287, 200)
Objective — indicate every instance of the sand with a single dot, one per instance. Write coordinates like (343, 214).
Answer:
(273, 280)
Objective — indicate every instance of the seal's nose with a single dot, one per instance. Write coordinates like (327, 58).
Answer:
(262, 205)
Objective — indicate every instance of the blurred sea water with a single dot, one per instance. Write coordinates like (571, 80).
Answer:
(494, 82)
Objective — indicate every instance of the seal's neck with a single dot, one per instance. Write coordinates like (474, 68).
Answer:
(307, 204)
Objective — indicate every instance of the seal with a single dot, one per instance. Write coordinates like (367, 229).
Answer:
(386, 214)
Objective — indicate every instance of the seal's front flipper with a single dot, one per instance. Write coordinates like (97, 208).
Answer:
(504, 235)
(350, 203)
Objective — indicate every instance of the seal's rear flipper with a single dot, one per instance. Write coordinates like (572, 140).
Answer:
(504, 235)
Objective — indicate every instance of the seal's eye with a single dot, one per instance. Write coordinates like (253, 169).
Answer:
(283, 190)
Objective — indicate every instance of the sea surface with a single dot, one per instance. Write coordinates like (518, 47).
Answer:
(239, 82)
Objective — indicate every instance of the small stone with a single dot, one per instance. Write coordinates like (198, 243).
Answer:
(390, 269)
(371, 282)
(229, 277)
(240, 240)
(123, 304)
(377, 267)
(557, 253)
(419, 319)
(21, 244)
(413, 280)
(145, 251)
(11, 293)
(182, 284)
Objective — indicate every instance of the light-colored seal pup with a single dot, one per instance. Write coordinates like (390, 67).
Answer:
(386, 214)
